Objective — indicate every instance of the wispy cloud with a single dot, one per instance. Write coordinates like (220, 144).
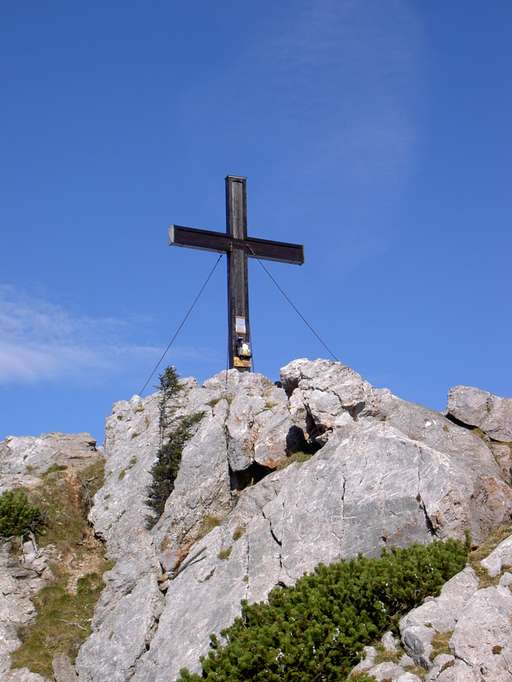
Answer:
(41, 341)
(331, 92)
(354, 69)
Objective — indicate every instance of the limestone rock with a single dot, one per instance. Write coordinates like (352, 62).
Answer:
(459, 672)
(474, 407)
(244, 518)
(245, 419)
(503, 455)
(388, 642)
(506, 580)
(199, 490)
(367, 660)
(499, 559)
(388, 473)
(24, 458)
(483, 635)
(22, 675)
(477, 621)
(63, 669)
(406, 661)
(441, 613)
(386, 671)
(131, 600)
(357, 494)
(440, 663)
(324, 395)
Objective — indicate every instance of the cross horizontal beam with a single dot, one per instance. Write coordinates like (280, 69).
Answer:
(220, 242)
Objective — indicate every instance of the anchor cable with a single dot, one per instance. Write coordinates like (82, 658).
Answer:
(292, 304)
(182, 323)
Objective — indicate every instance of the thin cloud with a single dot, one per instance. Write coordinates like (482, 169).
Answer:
(337, 86)
(41, 341)
(355, 70)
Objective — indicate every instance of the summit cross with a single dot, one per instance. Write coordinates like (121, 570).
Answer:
(238, 247)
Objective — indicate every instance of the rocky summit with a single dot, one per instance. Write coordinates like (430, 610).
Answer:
(272, 480)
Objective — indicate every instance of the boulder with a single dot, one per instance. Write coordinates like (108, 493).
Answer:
(386, 671)
(23, 459)
(474, 407)
(482, 637)
(441, 614)
(388, 641)
(499, 559)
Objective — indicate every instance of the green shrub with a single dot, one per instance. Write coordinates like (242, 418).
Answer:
(169, 387)
(17, 515)
(316, 630)
(166, 468)
(208, 523)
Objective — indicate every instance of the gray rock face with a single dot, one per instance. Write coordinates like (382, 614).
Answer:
(386, 671)
(22, 462)
(63, 670)
(503, 455)
(361, 492)
(24, 458)
(130, 602)
(245, 517)
(491, 414)
(441, 614)
(245, 420)
(499, 559)
(324, 395)
(482, 637)
(246, 423)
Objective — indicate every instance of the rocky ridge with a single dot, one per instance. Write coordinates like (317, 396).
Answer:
(273, 481)
(26, 570)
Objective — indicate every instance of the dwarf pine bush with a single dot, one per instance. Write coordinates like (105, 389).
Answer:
(165, 469)
(316, 630)
(169, 387)
(17, 515)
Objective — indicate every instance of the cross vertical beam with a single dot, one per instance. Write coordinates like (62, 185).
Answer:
(238, 285)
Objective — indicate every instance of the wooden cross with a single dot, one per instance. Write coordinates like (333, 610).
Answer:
(238, 246)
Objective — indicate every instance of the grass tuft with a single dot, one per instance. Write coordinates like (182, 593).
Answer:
(224, 554)
(441, 643)
(299, 457)
(238, 532)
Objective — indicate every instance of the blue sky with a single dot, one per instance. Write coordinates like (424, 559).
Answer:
(376, 133)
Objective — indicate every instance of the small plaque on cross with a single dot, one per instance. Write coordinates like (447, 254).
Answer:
(240, 327)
